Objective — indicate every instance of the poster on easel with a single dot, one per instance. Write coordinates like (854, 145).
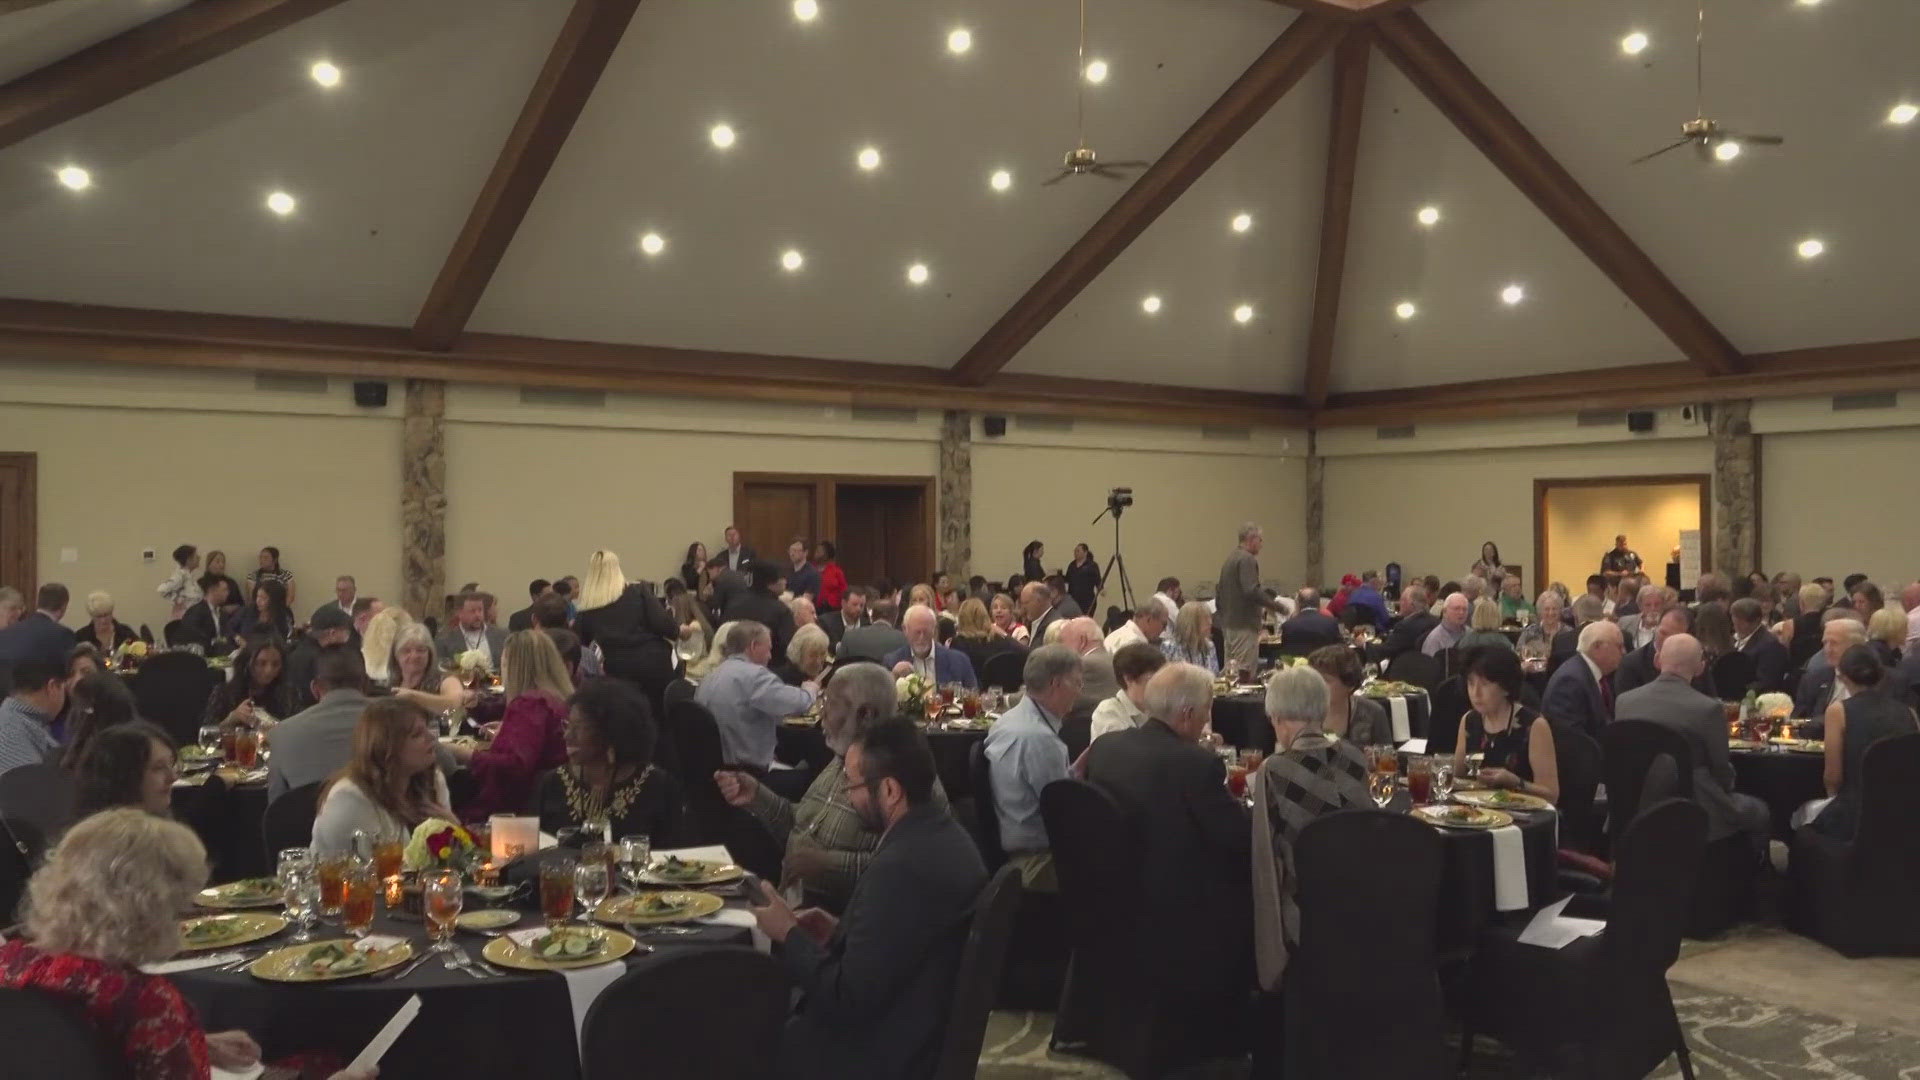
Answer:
(1689, 558)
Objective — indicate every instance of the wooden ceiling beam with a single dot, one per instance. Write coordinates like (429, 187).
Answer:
(1222, 125)
(34, 330)
(138, 58)
(1347, 9)
(1336, 208)
(592, 31)
(1446, 80)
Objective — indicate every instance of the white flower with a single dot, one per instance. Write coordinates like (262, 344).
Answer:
(1773, 705)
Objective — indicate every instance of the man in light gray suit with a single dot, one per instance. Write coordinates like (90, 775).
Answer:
(1671, 702)
(470, 630)
(314, 744)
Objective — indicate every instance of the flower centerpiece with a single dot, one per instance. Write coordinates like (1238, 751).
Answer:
(436, 845)
(911, 692)
(1773, 706)
(129, 655)
(473, 667)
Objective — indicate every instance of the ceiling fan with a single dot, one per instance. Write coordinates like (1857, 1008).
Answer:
(1081, 160)
(1707, 136)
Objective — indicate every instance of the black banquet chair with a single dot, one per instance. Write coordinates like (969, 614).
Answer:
(1362, 954)
(695, 736)
(51, 1036)
(659, 1020)
(288, 821)
(37, 802)
(171, 689)
(1600, 1008)
(1638, 756)
(1415, 667)
(1858, 897)
(1733, 674)
(1004, 671)
(978, 980)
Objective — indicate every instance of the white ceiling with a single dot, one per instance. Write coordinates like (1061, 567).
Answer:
(386, 166)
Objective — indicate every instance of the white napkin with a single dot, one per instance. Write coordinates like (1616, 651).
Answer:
(247, 1073)
(732, 916)
(1509, 869)
(191, 963)
(1402, 730)
(583, 984)
(378, 942)
(1552, 930)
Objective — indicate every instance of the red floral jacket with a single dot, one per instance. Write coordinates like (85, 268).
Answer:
(144, 1015)
(532, 738)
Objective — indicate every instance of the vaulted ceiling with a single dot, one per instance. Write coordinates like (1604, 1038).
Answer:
(385, 168)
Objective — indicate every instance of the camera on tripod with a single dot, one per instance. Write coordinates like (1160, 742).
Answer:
(1119, 499)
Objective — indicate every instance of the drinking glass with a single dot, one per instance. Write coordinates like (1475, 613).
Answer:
(389, 852)
(300, 889)
(441, 896)
(357, 893)
(332, 871)
(1420, 781)
(1763, 729)
(1380, 785)
(246, 747)
(1442, 780)
(636, 852)
(607, 855)
(1384, 759)
(210, 738)
(591, 884)
(294, 858)
(556, 891)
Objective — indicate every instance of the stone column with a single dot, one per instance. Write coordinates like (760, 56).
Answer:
(423, 497)
(1316, 514)
(1736, 488)
(955, 486)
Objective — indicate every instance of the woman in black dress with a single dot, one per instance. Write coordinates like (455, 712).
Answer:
(1030, 565)
(267, 614)
(635, 632)
(1083, 579)
(1868, 715)
(609, 774)
(1516, 743)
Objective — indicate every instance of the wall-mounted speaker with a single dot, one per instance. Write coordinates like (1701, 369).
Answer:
(994, 426)
(370, 395)
(1640, 421)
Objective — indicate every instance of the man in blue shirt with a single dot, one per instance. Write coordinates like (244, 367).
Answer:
(803, 578)
(748, 701)
(1025, 753)
(26, 716)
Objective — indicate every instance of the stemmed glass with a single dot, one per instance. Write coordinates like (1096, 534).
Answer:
(1442, 780)
(210, 739)
(1380, 785)
(590, 885)
(636, 853)
(300, 889)
(440, 894)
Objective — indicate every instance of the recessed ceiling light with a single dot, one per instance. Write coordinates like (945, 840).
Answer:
(722, 136)
(1903, 113)
(280, 203)
(1096, 71)
(1151, 305)
(868, 158)
(1429, 215)
(1001, 180)
(959, 41)
(1405, 309)
(1633, 44)
(1242, 222)
(75, 177)
(1727, 150)
(792, 260)
(1243, 313)
(1809, 3)
(917, 273)
(652, 244)
(806, 10)
(1513, 294)
(325, 74)
(1811, 249)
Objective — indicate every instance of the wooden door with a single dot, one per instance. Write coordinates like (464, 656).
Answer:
(770, 513)
(18, 531)
(883, 532)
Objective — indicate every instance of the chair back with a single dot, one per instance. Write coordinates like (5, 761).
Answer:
(1004, 671)
(986, 815)
(173, 634)
(53, 1037)
(1096, 855)
(1656, 861)
(1076, 730)
(16, 866)
(1416, 667)
(1447, 704)
(1630, 752)
(171, 689)
(146, 633)
(695, 735)
(1363, 877)
(1579, 758)
(1732, 674)
(37, 801)
(978, 982)
(1116, 618)
(662, 1013)
(1887, 847)
(288, 820)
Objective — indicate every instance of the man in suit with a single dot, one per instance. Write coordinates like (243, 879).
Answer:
(923, 653)
(1820, 688)
(1580, 693)
(1752, 637)
(330, 627)
(200, 625)
(1672, 702)
(523, 619)
(852, 614)
(1097, 681)
(471, 631)
(315, 743)
(876, 983)
(875, 641)
(344, 591)
(1637, 629)
(727, 585)
(1411, 631)
(1042, 605)
(737, 555)
(762, 605)
(1194, 859)
(1640, 668)
(1309, 628)
(39, 636)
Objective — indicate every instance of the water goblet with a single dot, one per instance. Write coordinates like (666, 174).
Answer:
(636, 852)
(590, 884)
(1381, 787)
(440, 894)
(1442, 780)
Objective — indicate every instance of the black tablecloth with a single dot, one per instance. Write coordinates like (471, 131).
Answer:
(228, 822)
(1466, 878)
(1241, 719)
(1781, 779)
(519, 1024)
(804, 744)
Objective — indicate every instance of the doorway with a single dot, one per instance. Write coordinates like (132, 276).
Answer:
(18, 530)
(1575, 521)
(882, 526)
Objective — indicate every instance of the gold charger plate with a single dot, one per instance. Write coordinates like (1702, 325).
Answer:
(711, 873)
(1462, 817)
(218, 931)
(289, 964)
(1803, 746)
(245, 893)
(1500, 798)
(634, 908)
(486, 919)
(506, 953)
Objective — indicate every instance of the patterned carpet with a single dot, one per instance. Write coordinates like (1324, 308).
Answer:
(1732, 1038)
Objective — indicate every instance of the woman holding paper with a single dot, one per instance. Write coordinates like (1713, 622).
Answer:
(105, 903)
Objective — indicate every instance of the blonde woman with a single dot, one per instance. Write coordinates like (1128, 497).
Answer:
(1483, 628)
(808, 654)
(1006, 619)
(635, 633)
(103, 631)
(1887, 633)
(532, 735)
(1537, 639)
(413, 671)
(105, 903)
(1192, 641)
(978, 637)
(376, 643)
(698, 669)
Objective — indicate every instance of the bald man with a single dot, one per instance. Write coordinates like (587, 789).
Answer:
(1097, 682)
(925, 656)
(1671, 701)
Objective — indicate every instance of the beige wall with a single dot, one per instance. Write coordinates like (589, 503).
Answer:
(1835, 503)
(1583, 521)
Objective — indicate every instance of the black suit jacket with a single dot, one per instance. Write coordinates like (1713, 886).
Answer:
(36, 637)
(875, 995)
(1407, 635)
(835, 624)
(766, 609)
(520, 620)
(200, 626)
(1573, 699)
(1638, 669)
(1066, 609)
(1195, 857)
(1816, 693)
(1309, 630)
(1769, 660)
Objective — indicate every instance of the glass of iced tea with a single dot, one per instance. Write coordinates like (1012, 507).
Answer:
(1420, 780)
(556, 892)
(246, 747)
(357, 891)
(333, 876)
(440, 894)
(970, 705)
(388, 852)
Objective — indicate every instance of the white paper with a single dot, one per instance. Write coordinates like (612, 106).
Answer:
(1509, 869)
(247, 1073)
(191, 963)
(1689, 558)
(741, 917)
(1414, 746)
(1402, 729)
(388, 1035)
(1552, 930)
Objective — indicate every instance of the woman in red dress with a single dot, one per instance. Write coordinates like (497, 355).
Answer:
(833, 580)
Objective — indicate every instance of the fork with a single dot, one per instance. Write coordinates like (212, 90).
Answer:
(465, 963)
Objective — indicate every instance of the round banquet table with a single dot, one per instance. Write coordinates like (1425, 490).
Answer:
(1783, 779)
(804, 744)
(227, 820)
(1466, 876)
(1241, 718)
(517, 1024)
